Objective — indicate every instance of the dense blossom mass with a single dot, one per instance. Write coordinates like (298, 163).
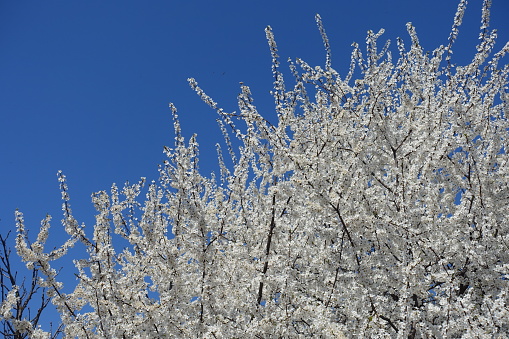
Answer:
(376, 206)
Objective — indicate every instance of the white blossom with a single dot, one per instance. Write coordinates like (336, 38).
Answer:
(374, 207)
(8, 304)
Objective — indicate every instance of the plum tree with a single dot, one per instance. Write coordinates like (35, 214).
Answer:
(375, 206)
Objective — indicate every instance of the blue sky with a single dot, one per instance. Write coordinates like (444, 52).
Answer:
(85, 85)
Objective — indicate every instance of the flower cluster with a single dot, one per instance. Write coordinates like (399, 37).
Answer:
(375, 207)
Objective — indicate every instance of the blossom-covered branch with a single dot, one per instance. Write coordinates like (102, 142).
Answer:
(375, 206)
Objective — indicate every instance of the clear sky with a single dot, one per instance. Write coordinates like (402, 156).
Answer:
(85, 85)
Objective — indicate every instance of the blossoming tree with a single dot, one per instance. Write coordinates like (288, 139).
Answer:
(23, 301)
(373, 207)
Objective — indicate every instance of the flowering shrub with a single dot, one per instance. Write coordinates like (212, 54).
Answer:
(374, 207)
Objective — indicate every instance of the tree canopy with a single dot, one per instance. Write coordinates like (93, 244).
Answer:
(376, 205)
